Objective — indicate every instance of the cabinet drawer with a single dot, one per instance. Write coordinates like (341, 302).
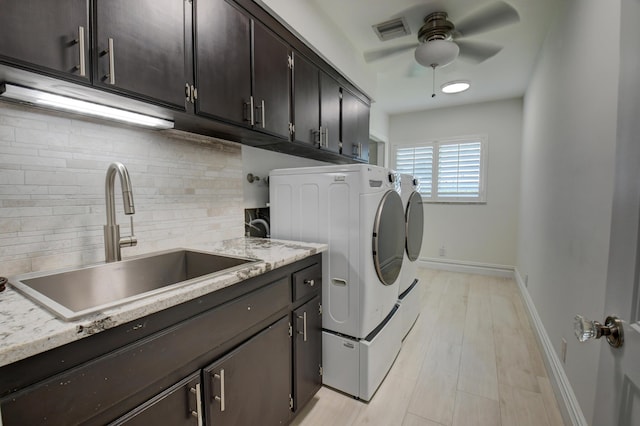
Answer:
(103, 389)
(307, 281)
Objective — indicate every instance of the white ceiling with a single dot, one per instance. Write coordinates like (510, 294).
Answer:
(404, 86)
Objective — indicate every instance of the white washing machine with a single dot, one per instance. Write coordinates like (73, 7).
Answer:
(358, 212)
(410, 290)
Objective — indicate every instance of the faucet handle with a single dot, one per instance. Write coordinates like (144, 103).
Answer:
(131, 240)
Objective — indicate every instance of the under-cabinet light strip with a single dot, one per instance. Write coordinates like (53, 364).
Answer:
(50, 100)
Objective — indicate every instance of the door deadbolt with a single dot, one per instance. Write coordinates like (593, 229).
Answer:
(587, 330)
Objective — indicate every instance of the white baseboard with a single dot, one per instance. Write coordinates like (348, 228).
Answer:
(468, 267)
(567, 401)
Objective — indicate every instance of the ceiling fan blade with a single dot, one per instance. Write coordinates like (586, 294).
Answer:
(476, 52)
(495, 15)
(374, 55)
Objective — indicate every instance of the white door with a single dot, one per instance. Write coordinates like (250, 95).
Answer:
(618, 393)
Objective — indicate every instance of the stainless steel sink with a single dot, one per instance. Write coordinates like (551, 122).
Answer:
(71, 294)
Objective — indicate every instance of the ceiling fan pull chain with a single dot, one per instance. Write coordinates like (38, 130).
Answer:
(433, 92)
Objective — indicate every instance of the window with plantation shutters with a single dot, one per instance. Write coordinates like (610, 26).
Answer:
(418, 162)
(448, 170)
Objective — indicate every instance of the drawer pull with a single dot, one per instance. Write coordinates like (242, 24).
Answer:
(220, 398)
(310, 283)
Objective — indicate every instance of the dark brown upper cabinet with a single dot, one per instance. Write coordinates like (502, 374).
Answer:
(140, 49)
(53, 39)
(242, 69)
(272, 82)
(329, 113)
(224, 68)
(306, 101)
(355, 127)
(223, 61)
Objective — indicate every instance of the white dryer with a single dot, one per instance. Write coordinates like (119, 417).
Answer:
(357, 211)
(410, 290)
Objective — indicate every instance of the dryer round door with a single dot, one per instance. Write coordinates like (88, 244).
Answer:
(388, 238)
(414, 226)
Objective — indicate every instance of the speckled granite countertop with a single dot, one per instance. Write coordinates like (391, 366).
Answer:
(27, 329)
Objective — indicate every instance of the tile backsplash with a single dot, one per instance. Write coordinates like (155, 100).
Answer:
(187, 189)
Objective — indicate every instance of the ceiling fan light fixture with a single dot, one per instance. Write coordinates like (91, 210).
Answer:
(436, 53)
(455, 86)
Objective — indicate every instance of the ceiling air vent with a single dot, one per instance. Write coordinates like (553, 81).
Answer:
(392, 29)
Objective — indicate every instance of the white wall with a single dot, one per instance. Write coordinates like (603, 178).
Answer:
(187, 189)
(260, 162)
(476, 233)
(567, 179)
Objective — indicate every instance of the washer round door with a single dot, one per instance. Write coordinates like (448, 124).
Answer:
(415, 226)
(388, 238)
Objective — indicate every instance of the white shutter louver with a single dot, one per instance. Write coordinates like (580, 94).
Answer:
(418, 162)
(449, 171)
(459, 170)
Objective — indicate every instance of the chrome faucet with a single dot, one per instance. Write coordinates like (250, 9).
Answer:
(112, 240)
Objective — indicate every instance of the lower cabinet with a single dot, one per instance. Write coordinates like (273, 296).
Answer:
(251, 385)
(307, 352)
(251, 357)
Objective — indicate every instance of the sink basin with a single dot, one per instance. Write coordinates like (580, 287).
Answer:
(71, 294)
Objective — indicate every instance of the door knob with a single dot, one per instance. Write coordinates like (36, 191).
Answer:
(612, 329)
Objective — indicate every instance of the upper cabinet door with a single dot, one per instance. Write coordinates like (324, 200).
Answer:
(306, 101)
(355, 127)
(349, 114)
(272, 82)
(223, 61)
(140, 48)
(52, 36)
(329, 113)
(364, 113)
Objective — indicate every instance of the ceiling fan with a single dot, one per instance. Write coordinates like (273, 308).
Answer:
(440, 41)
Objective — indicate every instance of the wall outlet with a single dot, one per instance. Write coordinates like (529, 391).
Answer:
(443, 250)
(563, 351)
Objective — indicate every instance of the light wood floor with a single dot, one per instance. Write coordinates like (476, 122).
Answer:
(470, 359)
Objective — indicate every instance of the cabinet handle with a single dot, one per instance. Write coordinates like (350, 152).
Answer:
(82, 68)
(249, 105)
(221, 397)
(112, 68)
(326, 136)
(262, 112)
(321, 142)
(198, 413)
(309, 282)
(303, 317)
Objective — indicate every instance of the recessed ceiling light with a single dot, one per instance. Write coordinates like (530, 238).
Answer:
(455, 86)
